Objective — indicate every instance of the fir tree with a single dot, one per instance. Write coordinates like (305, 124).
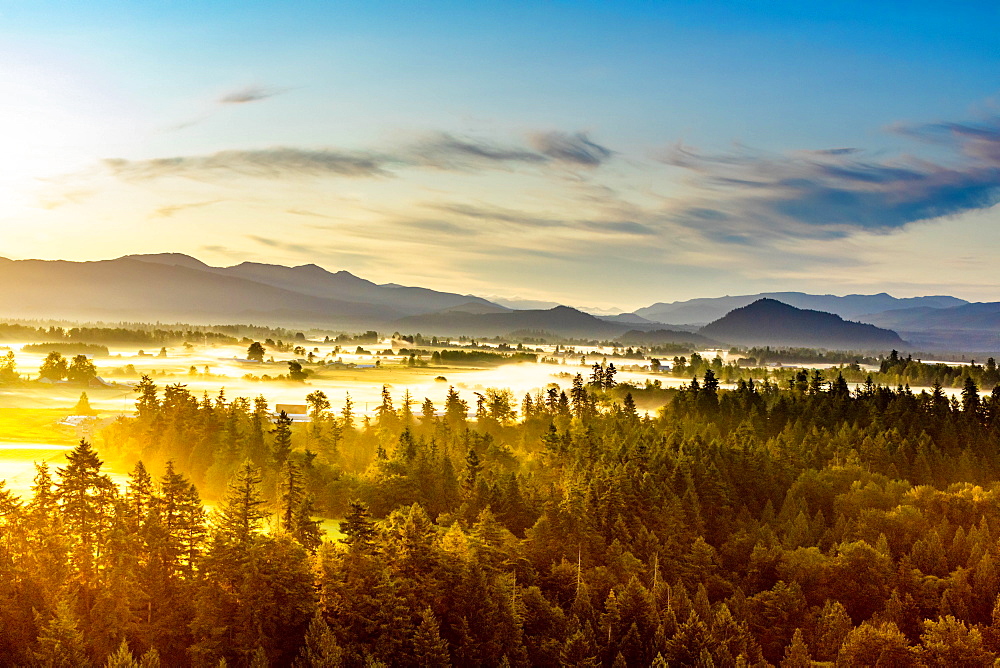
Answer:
(430, 650)
(241, 513)
(320, 649)
(282, 440)
(60, 643)
(358, 527)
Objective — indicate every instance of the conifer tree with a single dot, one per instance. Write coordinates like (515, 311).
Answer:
(241, 514)
(797, 653)
(430, 650)
(320, 649)
(84, 494)
(138, 495)
(597, 376)
(83, 406)
(122, 658)
(455, 409)
(358, 527)
(282, 440)
(61, 643)
(473, 467)
(347, 413)
(427, 413)
(147, 404)
(578, 397)
(609, 377)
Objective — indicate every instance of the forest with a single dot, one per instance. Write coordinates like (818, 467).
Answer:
(893, 369)
(785, 524)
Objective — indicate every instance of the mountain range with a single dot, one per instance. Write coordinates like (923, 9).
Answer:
(172, 287)
(706, 309)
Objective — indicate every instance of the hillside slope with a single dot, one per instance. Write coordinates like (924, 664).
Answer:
(770, 322)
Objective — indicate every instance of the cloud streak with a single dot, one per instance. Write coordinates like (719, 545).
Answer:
(441, 151)
(832, 193)
(487, 216)
(269, 163)
(575, 148)
(250, 94)
(172, 209)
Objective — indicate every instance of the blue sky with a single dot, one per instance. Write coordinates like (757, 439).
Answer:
(609, 154)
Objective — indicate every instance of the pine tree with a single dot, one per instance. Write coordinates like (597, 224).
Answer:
(241, 513)
(385, 414)
(971, 403)
(282, 440)
(122, 658)
(455, 410)
(473, 467)
(83, 406)
(60, 643)
(358, 527)
(320, 649)
(597, 376)
(797, 653)
(138, 495)
(578, 397)
(609, 377)
(84, 494)
(430, 650)
(291, 493)
(427, 414)
(305, 529)
(347, 413)
(147, 404)
(628, 406)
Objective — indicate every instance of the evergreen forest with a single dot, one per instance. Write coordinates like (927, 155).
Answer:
(787, 525)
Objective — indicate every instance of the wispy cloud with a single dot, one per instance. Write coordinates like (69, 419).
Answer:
(574, 148)
(172, 209)
(309, 214)
(446, 151)
(832, 193)
(488, 215)
(263, 163)
(250, 94)
(440, 150)
(282, 245)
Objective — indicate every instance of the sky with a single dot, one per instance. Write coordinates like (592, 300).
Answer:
(597, 154)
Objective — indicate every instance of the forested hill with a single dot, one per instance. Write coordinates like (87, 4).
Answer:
(770, 322)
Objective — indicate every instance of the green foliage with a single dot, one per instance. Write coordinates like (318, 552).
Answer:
(480, 357)
(66, 349)
(53, 367)
(256, 352)
(768, 524)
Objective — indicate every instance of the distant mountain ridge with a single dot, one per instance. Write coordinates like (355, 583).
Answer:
(706, 309)
(172, 287)
(770, 322)
(176, 287)
(967, 327)
(310, 279)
